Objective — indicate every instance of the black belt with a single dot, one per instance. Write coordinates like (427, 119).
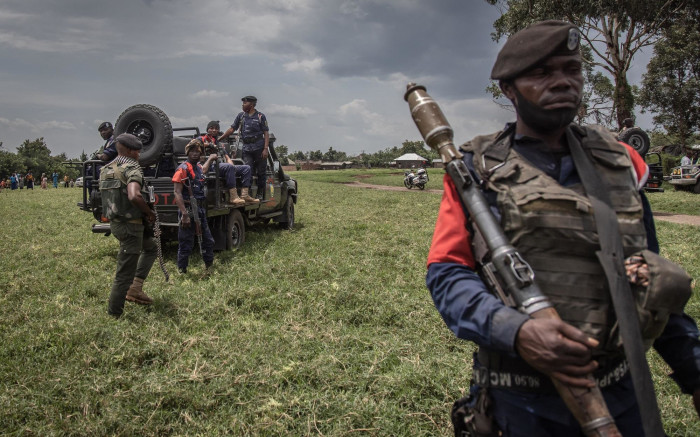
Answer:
(517, 375)
(249, 140)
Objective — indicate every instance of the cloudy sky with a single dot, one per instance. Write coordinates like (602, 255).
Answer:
(326, 72)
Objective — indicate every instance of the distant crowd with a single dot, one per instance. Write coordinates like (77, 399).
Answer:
(19, 181)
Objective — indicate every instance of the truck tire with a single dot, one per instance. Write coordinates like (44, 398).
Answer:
(287, 220)
(637, 138)
(696, 189)
(235, 230)
(151, 126)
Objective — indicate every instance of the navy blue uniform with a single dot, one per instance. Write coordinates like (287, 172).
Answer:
(253, 128)
(188, 174)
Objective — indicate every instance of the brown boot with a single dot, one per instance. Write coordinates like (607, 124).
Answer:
(233, 198)
(136, 294)
(246, 197)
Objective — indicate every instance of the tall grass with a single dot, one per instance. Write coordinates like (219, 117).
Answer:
(324, 330)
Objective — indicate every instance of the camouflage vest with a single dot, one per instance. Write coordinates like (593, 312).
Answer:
(114, 178)
(553, 226)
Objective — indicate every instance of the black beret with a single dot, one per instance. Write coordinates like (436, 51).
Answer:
(104, 125)
(249, 99)
(130, 141)
(196, 142)
(213, 123)
(532, 45)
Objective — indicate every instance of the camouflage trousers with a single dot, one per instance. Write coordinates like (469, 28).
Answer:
(135, 259)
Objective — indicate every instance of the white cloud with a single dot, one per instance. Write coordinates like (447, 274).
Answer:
(208, 94)
(305, 66)
(19, 123)
(289, 111)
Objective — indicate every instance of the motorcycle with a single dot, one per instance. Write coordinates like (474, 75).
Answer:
(419, 179)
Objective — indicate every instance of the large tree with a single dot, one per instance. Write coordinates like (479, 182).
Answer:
(671, 85)
(614, 30)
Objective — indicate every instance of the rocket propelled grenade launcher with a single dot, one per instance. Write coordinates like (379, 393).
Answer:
(507, 273)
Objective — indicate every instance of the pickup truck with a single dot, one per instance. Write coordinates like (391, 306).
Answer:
(161, 154)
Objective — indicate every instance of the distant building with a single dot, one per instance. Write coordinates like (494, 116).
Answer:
(411, 160)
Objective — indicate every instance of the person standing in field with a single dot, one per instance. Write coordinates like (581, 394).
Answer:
(255, 135)
(122, 188)
(562, 194)
(54, 177)
(44, 181)
(188, 182)
(29, 179)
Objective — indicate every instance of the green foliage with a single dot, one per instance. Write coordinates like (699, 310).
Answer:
(325, 330)
(334, 155)
(671, 85)
(35, 156)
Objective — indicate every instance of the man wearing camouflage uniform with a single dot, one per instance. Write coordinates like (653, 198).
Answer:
(121, 185)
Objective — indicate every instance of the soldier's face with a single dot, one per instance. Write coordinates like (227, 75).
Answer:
(212, 131)
(195, 154)
(548, 96)
(247, 106)
(106, 133)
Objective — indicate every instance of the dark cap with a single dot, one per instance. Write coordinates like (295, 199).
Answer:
(213, 123)
(196, 142)
(249, 99)
(130, 141)
(104, 125)
(532, 45)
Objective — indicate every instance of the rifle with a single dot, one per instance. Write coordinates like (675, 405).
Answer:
(508, 273)
(195, 212)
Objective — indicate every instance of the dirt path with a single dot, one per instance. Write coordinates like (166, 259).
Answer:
(664, 216)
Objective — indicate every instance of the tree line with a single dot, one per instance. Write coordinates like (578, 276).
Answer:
(35, 156)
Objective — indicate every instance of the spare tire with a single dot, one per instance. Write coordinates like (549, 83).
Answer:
(637, 138)
(152, 127)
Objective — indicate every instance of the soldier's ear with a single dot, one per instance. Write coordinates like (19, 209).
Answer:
(508, 89)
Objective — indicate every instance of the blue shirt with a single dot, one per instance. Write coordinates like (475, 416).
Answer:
(253, 128)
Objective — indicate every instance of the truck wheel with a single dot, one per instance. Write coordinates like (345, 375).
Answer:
(151, 126)
(696, 189)
(637, 138)
(235, 230)
(287, 221)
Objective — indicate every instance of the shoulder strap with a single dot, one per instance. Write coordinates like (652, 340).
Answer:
(611, 257)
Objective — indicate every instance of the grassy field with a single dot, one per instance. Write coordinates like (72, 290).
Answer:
(324, 330)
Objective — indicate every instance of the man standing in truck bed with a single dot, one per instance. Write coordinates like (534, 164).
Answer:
(256, 139)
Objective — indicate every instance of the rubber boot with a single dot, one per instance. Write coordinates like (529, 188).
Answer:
(136, 294)
(233, 198)
(246, 197)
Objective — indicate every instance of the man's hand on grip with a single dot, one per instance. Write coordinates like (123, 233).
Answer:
(558, 350)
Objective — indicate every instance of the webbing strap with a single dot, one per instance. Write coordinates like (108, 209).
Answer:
(611, 258)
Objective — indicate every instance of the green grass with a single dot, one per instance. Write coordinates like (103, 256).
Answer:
(325, 330)
(678, 202)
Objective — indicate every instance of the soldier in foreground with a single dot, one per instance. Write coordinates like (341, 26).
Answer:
(189, 189)
(536, 181)
(121, 185)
